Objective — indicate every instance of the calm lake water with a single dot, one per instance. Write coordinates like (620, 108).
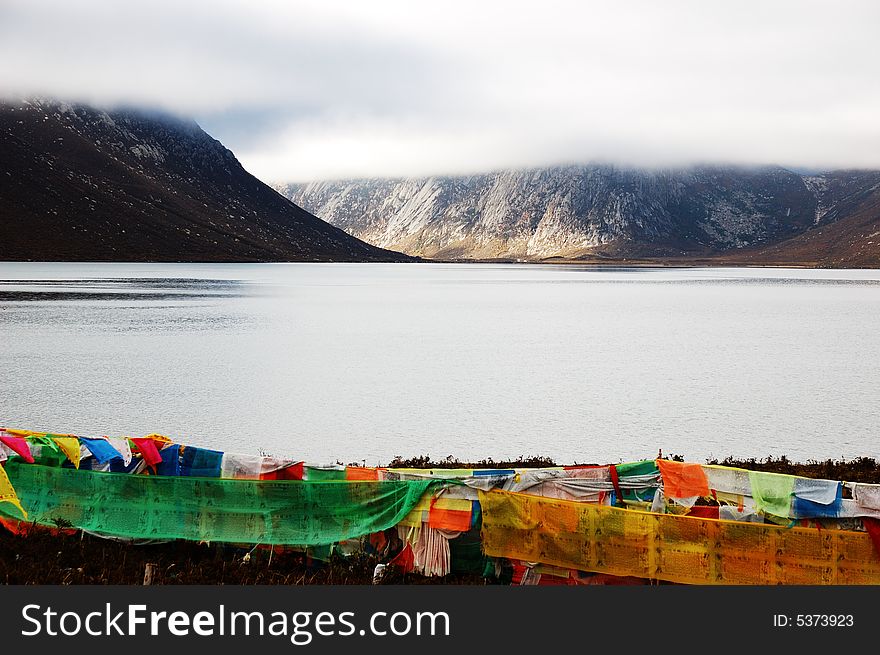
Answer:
(362, 362)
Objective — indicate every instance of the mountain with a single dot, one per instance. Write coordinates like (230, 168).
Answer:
(847, 232)
(81, 184)
(604, 212)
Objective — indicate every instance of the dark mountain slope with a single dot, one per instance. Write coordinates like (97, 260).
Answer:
(80, 184)
(847, 233)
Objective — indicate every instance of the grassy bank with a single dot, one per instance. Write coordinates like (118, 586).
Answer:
(42, 557)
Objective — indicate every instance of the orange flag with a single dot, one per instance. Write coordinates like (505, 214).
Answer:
(683, 479)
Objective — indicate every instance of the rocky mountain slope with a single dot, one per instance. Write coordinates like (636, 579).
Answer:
(847, 231)
(596, 211)
(80, 184)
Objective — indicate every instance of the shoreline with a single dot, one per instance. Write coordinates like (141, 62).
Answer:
(594, 262)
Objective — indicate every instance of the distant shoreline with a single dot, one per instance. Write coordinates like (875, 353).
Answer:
(643, 263)
(594, 263)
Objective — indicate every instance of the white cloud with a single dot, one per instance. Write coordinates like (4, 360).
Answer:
(332, 88)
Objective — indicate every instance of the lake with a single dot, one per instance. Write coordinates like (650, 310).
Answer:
(362, 362)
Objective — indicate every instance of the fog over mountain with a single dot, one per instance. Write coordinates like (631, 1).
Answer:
(333, 89)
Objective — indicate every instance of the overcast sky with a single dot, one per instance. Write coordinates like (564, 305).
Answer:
(303, 90)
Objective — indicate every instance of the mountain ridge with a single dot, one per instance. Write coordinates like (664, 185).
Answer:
(601, 212)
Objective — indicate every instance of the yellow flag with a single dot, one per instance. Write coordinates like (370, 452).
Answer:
(7, 493)
(70, 447)
(19, 433)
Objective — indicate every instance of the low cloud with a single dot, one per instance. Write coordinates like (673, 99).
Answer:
(307, 90)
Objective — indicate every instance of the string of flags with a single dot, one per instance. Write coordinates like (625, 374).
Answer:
(654, 519)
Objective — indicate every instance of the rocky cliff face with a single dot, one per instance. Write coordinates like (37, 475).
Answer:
(569, 211)
(80, 184)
